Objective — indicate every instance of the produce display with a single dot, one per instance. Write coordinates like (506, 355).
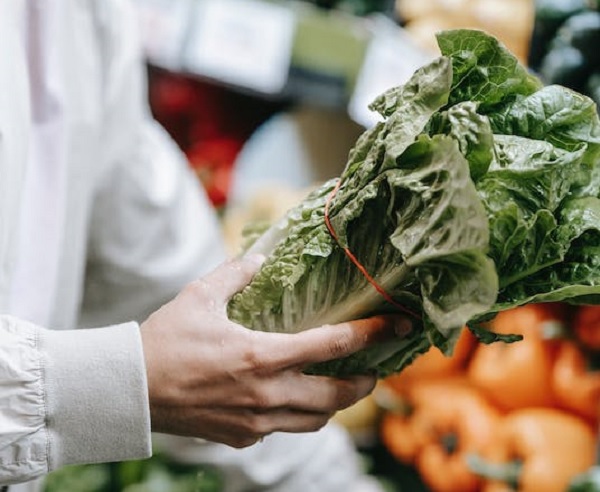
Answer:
(477, 193)
(564, 45)
(473, 207)
(156, 474)
(502, 417)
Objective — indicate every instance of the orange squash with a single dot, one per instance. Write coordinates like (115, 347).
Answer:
(537, 450)
(519, 374)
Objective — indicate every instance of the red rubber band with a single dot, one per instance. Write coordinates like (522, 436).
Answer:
(354, 260)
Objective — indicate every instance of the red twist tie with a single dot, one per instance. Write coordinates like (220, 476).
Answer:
(357, 263)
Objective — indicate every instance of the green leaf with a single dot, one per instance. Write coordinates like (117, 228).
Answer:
(555, 114)
(473, 133)
(575, 278)
(478, 192)
(407, 209)
(484, 71)
(486, 336)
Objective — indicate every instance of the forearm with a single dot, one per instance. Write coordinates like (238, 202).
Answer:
(70, 397)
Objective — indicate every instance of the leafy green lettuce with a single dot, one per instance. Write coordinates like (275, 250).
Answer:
(477, 192)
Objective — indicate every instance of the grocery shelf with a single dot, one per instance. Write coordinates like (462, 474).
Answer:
(276, 49)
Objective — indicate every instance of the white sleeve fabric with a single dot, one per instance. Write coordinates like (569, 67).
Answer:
(152, 228)
(23, 433)
(152, 232)
(53, 415)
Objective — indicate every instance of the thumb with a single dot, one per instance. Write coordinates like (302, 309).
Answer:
(233, 275)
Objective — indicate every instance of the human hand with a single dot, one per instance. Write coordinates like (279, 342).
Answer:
(211, 378)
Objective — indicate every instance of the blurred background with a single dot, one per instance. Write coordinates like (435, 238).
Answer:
(266, 98)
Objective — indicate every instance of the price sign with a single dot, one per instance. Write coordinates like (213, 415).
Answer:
(391, 58)
(163, 26)
(247, 43)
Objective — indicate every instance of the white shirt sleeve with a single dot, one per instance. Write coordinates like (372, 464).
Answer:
(49, 418)
(152, 228)
(80, 396)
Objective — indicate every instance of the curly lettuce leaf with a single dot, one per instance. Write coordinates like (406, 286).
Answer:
(478, 192)
(409, 212)
(554, 114)
(522, 190)
(576, 279)
(566, 119)
(484, 71)
(473, 133)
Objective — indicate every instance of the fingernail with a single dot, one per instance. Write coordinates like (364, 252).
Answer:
(367, 384)
(403, 327)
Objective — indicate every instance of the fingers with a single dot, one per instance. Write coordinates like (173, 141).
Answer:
(237, 427)
(256, 425)
(337, 341)
(305, 405)
(232, 276)
(306, 393)
(242, 428)
(323, 394)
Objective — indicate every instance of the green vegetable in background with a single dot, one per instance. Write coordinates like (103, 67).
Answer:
(476, 193)
(156, 474)
(586, 482)
(564, 43)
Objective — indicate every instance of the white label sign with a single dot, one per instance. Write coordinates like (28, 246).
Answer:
(391, 59)
(247, 43)
(163, 25)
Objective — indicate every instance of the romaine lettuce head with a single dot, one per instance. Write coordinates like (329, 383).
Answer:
(457, 204)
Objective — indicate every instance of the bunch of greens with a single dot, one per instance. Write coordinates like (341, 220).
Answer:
(156, 474)
(477, 192)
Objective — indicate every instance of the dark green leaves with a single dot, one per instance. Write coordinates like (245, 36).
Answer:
(478, 192)
(555, 114)
(483, 70)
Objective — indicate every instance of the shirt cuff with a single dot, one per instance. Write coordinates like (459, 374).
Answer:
(96, 395)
